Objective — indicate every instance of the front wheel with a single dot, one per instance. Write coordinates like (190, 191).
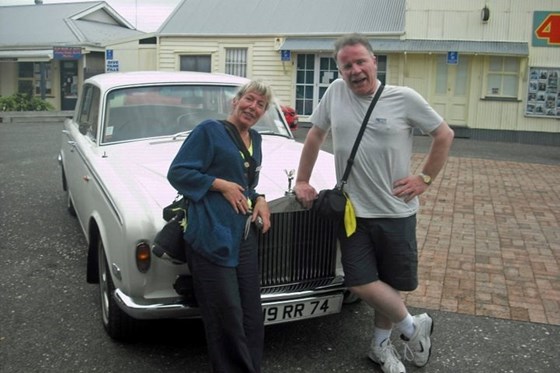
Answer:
(116, 322)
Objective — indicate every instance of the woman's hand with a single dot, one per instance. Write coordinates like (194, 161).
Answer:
(261, 210)
(233, 193)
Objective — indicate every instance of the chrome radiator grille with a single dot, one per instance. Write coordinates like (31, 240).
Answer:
(298, 253)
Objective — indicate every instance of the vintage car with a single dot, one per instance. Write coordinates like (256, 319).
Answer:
(115, 153)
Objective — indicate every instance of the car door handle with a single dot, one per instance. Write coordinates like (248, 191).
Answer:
(72, 143)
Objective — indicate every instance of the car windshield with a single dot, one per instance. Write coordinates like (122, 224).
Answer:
(159, 111)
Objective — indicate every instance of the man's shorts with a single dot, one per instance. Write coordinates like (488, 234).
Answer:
(381, 249)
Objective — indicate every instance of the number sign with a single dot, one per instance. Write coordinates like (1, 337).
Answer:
(546, 29)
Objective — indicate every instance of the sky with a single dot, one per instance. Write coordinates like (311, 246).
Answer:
(145, 15)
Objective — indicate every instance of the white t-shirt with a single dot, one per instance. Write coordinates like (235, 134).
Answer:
(385, 150)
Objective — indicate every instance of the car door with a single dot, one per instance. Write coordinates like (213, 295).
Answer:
(79, 149)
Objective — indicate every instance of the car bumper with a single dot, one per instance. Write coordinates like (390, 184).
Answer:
(277, 308)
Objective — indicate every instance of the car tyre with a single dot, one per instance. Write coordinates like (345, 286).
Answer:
(116, 322)
(69, 204)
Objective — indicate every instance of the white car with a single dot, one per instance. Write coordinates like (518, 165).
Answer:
(115, 153)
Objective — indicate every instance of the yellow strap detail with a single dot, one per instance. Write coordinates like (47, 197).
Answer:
(349, 217)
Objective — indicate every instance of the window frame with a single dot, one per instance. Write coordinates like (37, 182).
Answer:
(232, 66)
(502, 74)
(196, 55)
(33, 78)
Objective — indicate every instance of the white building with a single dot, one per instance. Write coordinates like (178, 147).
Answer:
(490, 67)
(480, 63)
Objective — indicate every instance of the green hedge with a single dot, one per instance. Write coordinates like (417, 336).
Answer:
(23, 102)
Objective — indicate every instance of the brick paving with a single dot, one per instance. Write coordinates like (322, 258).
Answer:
(489, 240)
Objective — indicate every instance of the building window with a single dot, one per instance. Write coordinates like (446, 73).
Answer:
(314, 75)
(502, 78)
(29, 78)
(236, 61)
(305, 83)
(200, 63)
(381, 68)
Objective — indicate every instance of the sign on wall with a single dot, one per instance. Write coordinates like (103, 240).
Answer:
(543, 97)
(452, 58)
(67, 53)
(112, 66)
(546, 29)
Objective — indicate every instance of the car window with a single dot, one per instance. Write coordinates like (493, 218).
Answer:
(89, 112)
(156, 111)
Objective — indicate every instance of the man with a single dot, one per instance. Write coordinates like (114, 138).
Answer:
(380, 258)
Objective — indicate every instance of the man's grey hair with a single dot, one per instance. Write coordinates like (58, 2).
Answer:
(351, 39)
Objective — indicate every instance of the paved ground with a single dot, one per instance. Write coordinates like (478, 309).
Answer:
(488, 232)
(489, 240)
(489, 247)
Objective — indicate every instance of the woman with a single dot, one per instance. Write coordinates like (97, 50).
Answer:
(219, 182)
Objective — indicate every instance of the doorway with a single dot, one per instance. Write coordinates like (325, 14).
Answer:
(450, 97)
(68, 84)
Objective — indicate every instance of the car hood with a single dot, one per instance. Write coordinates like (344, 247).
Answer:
(142, 168)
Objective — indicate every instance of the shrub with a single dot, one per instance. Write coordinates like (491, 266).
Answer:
(23, 102)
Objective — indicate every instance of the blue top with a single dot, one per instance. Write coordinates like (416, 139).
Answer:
(214, 229)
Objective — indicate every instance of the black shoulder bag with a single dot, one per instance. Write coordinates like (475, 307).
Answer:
(168, 242)
(331, 203)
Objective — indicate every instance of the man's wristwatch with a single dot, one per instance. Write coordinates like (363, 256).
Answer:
(427, 179)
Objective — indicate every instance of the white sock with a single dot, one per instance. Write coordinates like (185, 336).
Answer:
(406, 326)
(379, 335)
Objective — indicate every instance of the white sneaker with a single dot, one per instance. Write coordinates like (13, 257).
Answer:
(419, 347)
(387, 357)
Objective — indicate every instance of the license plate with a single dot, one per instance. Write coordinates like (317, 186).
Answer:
(277, 312)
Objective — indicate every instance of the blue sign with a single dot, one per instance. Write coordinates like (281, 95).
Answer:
(452, 58)
(286, 55)
(109, 54)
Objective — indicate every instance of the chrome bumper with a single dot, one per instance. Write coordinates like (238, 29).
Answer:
(178, 308)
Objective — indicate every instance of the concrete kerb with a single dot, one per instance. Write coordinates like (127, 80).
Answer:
(34, 116)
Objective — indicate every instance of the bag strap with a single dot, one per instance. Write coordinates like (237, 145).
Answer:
(350, 161)
(250, 163)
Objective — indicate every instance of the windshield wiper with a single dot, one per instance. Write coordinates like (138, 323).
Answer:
(181, 134)
(273, 133)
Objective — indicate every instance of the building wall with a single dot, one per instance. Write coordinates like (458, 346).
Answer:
(8, 78)
(263, 59)
(510, 20)
(132, 56)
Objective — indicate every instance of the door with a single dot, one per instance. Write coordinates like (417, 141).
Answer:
(68, 84)
(450, 97)
(79, 150)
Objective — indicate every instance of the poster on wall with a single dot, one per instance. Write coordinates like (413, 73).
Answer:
(543, 99)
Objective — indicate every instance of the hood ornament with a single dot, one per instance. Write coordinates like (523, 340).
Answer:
(290, 175)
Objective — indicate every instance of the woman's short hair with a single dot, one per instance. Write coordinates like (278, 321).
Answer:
(257, 86)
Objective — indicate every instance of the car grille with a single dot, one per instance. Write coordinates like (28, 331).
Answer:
(298, 252)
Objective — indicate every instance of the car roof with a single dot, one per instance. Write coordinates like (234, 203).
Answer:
(111, 80)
